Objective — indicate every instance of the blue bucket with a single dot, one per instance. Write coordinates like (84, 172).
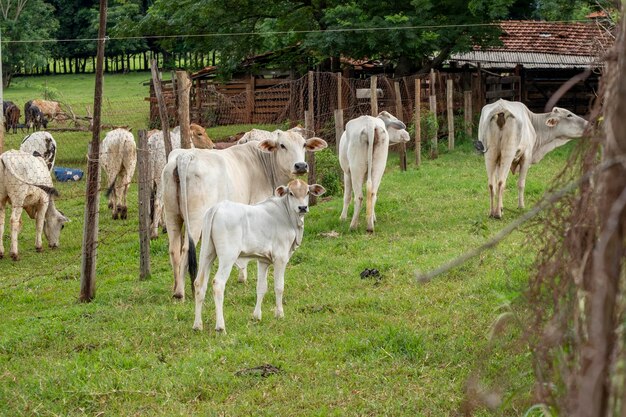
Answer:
(67, 174)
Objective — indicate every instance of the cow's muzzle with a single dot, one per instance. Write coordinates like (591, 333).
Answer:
(303, 209)
(301, 168)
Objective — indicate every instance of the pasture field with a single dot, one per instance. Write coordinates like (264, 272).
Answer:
(348, 345)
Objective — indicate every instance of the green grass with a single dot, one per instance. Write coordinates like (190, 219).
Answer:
(347, 345)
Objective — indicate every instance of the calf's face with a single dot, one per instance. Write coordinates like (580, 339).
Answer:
(395, 128)
(53, 224)
(297, 193)
(290, 149)
(566, 124)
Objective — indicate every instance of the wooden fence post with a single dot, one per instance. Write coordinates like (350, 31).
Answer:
(158, 91)
(434, 151)
(143, 177)
(418, 121)
(400, 116)
(311, 107)
(450, 111)
(374, 96)
(339, 113)
(467, 99)
(250, 102)
(310, 156)
(92, 204)
(184, 87)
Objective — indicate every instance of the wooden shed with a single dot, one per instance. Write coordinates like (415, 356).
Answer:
(545, 55)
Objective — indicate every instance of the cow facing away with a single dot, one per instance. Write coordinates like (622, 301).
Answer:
(118, 156)
(513, 138)
(33, 117)
(41, 144)
(156, 147)
(269, 231)
(25, 183)
(246, 174)
(363, 153)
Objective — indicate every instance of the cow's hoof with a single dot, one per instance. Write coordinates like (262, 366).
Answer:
(15, 256)
(370, 231)
(1, 255)
(124, 213)
(197, 327)
(153, 236)
(110, 205)
(220, 331)
(179, 296)
(39, 249)
(114, 216)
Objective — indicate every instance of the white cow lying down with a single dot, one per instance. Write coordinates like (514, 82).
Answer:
(513, 138)
(269, 231)
(25, 182)
(363, 150)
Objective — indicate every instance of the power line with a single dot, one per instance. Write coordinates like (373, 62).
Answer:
(271, 33)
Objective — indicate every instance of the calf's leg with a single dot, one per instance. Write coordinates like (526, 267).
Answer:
(16, 216)
(201, 283)
(1, 230)
(279, 286)
(347, 195)
(261, 288)
(219, 285)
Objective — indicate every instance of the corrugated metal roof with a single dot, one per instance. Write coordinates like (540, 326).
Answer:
(504, 59)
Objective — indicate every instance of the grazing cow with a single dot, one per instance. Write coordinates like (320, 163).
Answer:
(269, 231)
(156, 147)
(5, 104)
(25, 183)
(11, 118)
(50, 109)
(363, 153)
(33, 117)
(513, 137)
(41, 144)
(199, 179)
(118, 155)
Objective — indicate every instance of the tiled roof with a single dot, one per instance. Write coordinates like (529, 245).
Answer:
(553, 37)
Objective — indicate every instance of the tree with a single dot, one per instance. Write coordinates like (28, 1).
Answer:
(22, 35)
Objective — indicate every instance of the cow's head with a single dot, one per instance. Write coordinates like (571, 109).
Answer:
(565, 123)
(297, 193)
(199, 137)
(395, 128)
(53, 224)
(289, 150)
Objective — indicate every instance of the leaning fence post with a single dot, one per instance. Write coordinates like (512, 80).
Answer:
(450, 111)
(434, 151)
(374, 95)
(399, 115)
(310, 156)
(143, 177)
(418, 121)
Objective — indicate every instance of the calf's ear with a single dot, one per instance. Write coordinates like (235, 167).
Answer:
(281, 191)
(315, 144)
(396, 124)
(552, 121)
(316, 189)
(268, 145)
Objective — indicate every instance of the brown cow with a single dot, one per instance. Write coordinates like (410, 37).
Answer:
(11, 118)
(50, 109)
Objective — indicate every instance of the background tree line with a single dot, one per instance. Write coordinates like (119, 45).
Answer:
(58, 35)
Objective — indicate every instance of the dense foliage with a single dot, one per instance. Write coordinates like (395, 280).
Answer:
(408, 35)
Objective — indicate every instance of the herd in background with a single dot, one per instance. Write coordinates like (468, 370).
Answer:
(244, 199)
(37, 114)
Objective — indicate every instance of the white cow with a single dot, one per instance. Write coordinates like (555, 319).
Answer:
(42, 144)
(269, 231)
(260, 134)
(513, 138)
(118, 156)
(25, 183)
(363, 153)
(156, 147)
(248, 173)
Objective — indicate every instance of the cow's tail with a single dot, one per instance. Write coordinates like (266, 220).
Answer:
(182, 165)
(111, 188)
(370, 159)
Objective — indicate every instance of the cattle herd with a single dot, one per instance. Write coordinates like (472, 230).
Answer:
(244, 200)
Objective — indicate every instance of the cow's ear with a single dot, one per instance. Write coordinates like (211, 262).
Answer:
(396, 124)
(315, 144)
(281, 191)
(552, 121)
(316, 189)
(268, 145)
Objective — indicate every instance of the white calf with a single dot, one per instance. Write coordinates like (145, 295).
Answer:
(269, 231)
(42, 144)
(363, 150)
